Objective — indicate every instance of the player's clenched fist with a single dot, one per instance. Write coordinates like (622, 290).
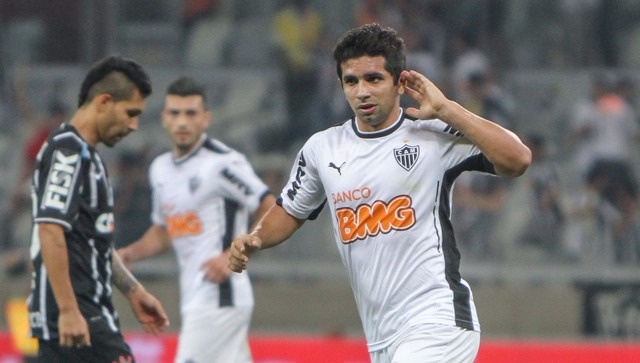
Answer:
(242, 248)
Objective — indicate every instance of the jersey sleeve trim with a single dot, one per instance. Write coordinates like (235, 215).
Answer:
(67, 226)
(312, 216)
(264, 195)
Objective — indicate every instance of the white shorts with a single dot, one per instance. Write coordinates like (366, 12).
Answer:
(217, 335)
(431, 343)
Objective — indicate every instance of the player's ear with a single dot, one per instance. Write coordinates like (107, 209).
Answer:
(209, 117)
(402, 82)
(102, 100)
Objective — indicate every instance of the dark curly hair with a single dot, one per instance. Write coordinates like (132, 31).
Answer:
(372, 40)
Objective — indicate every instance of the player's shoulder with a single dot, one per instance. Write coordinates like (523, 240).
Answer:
(221, 152)
(217, 147)
(66, 140)
(344, 127)
(161, 159)
(434, 126)
(66, 137)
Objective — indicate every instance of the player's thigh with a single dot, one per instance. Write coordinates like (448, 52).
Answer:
(105, 348)
(215, 335)
(432, 343)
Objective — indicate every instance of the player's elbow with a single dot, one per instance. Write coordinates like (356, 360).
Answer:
(518, 163)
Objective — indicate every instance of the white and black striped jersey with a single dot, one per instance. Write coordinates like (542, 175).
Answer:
(389, 195)
(70, 187)
(204, 199)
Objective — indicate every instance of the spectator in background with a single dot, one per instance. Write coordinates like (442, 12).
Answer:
(17, 205)
(55, 38)
(132, 196)
(421, 57)
(478, 202)
(605, 136)
(628, 90)
(207, 25)
(389, 13)
(479, 198)
(485, 97)
(299, 30)
(545, 223)
(468, 59)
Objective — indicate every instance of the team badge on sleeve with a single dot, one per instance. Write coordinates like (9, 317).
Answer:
(407, 156)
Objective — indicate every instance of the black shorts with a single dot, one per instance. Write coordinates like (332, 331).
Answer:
(105, 348)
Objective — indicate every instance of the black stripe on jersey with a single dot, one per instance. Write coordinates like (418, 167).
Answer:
(230, 212)
(461, 294)
(216, 148)
(317, 211)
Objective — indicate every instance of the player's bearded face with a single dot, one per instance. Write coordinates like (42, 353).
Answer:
(122, 119)
(185, 119)
(371, 92)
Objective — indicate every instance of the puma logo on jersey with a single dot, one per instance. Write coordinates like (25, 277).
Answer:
(369, 220)
(61, 176)
(332, 165)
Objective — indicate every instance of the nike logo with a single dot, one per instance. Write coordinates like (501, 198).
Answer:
(332, 165)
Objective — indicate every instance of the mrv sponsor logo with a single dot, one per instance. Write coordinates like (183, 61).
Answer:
(61, 177)
(297, 184)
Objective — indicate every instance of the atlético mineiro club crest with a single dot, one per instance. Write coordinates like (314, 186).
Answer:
(407, 156)
(194, 184)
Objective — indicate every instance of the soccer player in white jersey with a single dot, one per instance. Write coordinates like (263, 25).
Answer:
(204, 193)
(386, 176)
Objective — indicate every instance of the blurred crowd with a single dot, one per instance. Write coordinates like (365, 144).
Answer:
(577, 203)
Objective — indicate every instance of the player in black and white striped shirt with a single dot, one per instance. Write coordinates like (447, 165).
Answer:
(70, 306)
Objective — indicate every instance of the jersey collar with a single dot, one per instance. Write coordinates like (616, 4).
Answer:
(193, 151)
(381, 133)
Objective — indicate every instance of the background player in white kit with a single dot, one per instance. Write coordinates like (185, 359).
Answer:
(204, 194)
(386, 176)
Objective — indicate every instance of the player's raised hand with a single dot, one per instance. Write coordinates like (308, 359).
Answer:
(430, 99)
(242, 248)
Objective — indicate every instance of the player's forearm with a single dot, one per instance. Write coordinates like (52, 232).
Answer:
(502, 147)
(266, 204)
(276, 226)
(54, 256)
(122, 278)
(154, 242)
